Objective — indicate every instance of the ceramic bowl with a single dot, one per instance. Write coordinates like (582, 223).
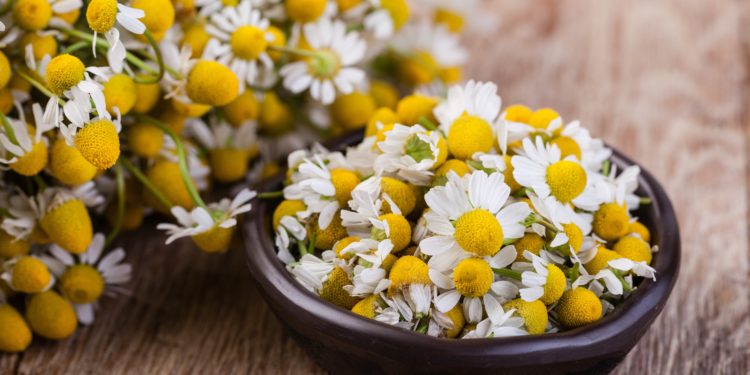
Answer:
(342, 342)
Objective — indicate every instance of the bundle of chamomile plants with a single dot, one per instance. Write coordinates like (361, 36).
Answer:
(114, 110)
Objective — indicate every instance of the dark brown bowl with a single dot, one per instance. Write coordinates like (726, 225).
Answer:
(342, 342)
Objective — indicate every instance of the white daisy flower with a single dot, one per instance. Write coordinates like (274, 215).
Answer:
(429, 44)
(410, 152)
(312, 272)
(638, 268)
(369, 278)
(329, 70)
(128, 18)
(477, 99)
(541, 169)
(620, 189)
(78, 108)
(180, 60)
(108, 276)
(18, 142)
(240, 41)
(290, 228)
(500, 324)
(469, 217)
(362, 156)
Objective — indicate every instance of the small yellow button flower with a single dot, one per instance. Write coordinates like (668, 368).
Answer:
(479, 232)
(554, 286)
(400, 193)
(575, 236)
(11, 247)
(600, 260)
(530, 242)
(68, 165)
(412, 108)
(534, 314)
(418, 69)
(228, 164)
(99, 143)
(244, 107)
(456, 315)
(381, 116)
(145, 140)
(82, 284)
(468, 135)
(15, 335)
(33, 161)
(304, 11)
(638, 228)
(32, 15)
(518, 113)
(166, 176)
(51, 316)
(611, 221)
(342, 244)
(566, 180)
(568, 146)
(275, 115)
(4, 70)
(63, 72)
(196, 36)
(212, 83)
(214, 240)
(578, 307)
(385, 94)
(248, 42)
(451, 19)
(541, 118)
(286, 208)
(473, 277)
(400, 231)
(634, 249)
(147, 95)
(367, 306)
(41, 45)
(458, 166)
(120, 92)
(352, 111)
(159, 15)
(326, 238)
(69, 226)
(399, 11)
(406, 271)
(101, 14)
(30, 275)
(333, 289)
(344, 181)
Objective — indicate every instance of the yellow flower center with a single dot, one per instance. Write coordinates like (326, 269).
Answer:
(385, 94)
(228, 164)
(518, 113)
(63, 72)
(534, 314)
(51, 316)
(275, 115)
(366, 307)
(326, 238)
(399, 11)
(189, 110)
(400, 231)
(30, 275)
(279, 40)
(99, 143)
(166, 176)
(530, 242)
(212, 83)
(69, 226)
(458, 166)
(451, 74)
(418, 69)
(196, 36)
(383, 116)
(304, 11)
(159, 15)
(286, 208)
(101, 14)
(638, 228)
(634, 249)
(568, 147)
(344, 181)
(578, 307)
(456, 315)
(244, 107)
(508, 175)
(5, 74)
(33, 161)
(32, 15)
(41, 44)
(452, 20)
(611, 221)
(230, 3)
(120, 92)
(352, 110)
(600, 260)
(566, 180)
(555, 285)
(473, 277)
(82, 284)
(146, 96)
(345, 5)
(333, 289)
(70, 17)
(214, 240)
(412, 108)
(479, 232)
(342, 244)
(575, 236)
(15, 335)
(248, 42)
(468, 135)
(11, 247)
(145, 140)
(400, 193)
(406, 271)
(541, 118)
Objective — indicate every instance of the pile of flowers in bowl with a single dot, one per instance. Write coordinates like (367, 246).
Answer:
(115, 110)
(456, 218)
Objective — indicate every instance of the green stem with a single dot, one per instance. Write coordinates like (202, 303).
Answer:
(8, 129)
(505, 272)
(120, 182)
(40, 182)
(271, 195)
(426, 123)
(76, 46)
(606, 166)
(302, 248)
(547, 224)
(159, 59)
(294, 51)
(6, 7)
(181, 161)
(625, 286)
(311, 245)
(644, 200)
(39, 86)
(146, 182)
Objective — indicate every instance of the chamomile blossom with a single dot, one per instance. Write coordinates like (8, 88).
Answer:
(229, 147)
(412, 153)
(330, 69)
(102, 16)
(428, 53)
(27, 274)
(385, 18)
(370, 277)
(88, 276)
(469, 216)
(500, 324)
(26, 153)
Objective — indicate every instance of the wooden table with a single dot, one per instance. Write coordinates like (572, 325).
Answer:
(665, 81)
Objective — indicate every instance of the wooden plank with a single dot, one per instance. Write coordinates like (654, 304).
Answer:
(665, 81)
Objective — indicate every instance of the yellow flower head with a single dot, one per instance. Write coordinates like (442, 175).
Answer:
(450, 19)
(196, 37)
(159, 15)
(99, 143)
(41, 45)
(400, 193)
(638, 228)
(554, 286)
(611, 221)
(456, 315)
(344, 181)
(215, 240)
(530, 242)
(578, 307)
(4, 70)
(399, 11)
(32, 15)
(166, 176)
(412, 108)
(120, 92)
(33, 161)
(634, 249)
(304, 11)
(468, 135)
(566, 180)
(11, 247)
(244, 107)
(189, 109)
(568, 146)
(479, 232)
(541, 118)
(384, 116)
(385, 94)
(600, 260)
(212, 83)
(145, 140)
(147, 95)
(518, 113)
(352, 111)
(418, 69)
(82, 284)
(458, 166)
(534, 314)
(51, 316)
(406, 271)
(333, 289)
(286, 208)
(248, 42)
(30, 275)
(6, 100)
(400, 231)
(101, 15)
(473, 277)
(69, 226)
(326, 238)
(275, 115)
(15, 335)
(367, 306)
(63, 72)
(68, 165)
(342, 244)
(228, 164)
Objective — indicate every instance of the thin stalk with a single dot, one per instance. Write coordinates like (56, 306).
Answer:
(146, 182)
(76, 46)
(8, 129)
(271, 195)
(159, 59)
(120, 182)
(293, 51)
(508, 273)
(426, 123)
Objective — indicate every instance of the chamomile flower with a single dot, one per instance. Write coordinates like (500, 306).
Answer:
(27, 153)
(27, 274)
(288, 227)
(229, 148)
(411, 288)
(88, 276)
(102, 16)
(500, 323)
(181, 61)
(329, 70)
(386, 17)
(572, 227)
(211, 230)
(240, 41)
(369, 277)
(428, 52)
(412, 153)
(546, 282)
(63, 216)
(469, 217)
(620, 188)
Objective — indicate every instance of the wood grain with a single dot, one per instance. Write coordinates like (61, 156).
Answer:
(665, 81)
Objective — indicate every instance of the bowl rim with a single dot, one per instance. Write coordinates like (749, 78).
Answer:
(624, 325)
